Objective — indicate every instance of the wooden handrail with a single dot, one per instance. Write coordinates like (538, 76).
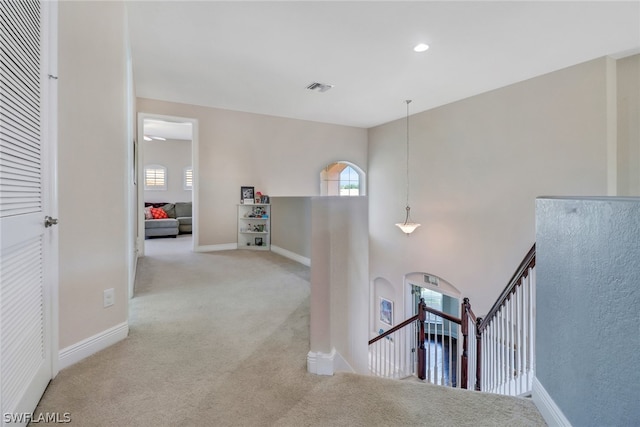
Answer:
(443, 315)
(413, 319)
(521, 272)
(395, 328)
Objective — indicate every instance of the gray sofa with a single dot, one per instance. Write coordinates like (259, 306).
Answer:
(178, 221)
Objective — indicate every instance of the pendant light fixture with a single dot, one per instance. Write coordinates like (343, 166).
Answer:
(408, 226)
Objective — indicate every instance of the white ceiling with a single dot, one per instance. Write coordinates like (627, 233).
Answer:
(260, 56)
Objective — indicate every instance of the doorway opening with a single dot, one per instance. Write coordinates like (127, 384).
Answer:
(441, 335)
(168, 181)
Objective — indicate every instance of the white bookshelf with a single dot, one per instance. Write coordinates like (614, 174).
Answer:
(254, 227)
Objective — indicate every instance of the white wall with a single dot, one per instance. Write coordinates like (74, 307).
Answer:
(175, 155)
(339, 284)
(94, 175)
(291, 225)
(628, 132)
(477, 166)
(278, 156)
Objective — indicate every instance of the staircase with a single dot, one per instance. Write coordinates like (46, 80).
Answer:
(495, 354)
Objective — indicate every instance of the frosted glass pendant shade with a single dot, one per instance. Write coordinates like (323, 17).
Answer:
(408, 227)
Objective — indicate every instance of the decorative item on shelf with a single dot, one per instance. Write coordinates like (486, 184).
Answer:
(258, 197)
(247, 195)
(408, 226)
(264, 199)
(258, 241)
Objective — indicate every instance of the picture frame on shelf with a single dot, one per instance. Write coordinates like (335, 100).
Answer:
(258, 241)
(247, 194)
(386, 311)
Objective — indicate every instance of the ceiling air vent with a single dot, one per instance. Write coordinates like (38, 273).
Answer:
(320, 87)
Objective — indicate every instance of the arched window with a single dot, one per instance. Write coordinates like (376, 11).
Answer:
(342, 179)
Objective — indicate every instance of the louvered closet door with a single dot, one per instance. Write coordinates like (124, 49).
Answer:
(25, 334)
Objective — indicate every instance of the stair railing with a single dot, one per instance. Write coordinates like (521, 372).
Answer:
(506, 362)
(497, 351)
(391, 354)
(471, 347)
(426, 345)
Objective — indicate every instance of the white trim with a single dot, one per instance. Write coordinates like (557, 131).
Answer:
(133, 272)
(547, 407)
(85, 348)
(214, 248)
(291, 255)
(612, 127)
(195, 186)
(51, 51)
(327, 363)
(320, 363)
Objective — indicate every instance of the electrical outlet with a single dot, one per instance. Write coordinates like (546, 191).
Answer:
(109, 297)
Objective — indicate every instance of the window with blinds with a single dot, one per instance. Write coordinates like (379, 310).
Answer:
(155, 177)
(188, 178)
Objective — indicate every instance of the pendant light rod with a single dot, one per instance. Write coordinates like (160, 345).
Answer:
(408, 101)
(408, 226)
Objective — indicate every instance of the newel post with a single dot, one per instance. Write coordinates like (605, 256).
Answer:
(478, 353)
(464, 360)
(422, 352)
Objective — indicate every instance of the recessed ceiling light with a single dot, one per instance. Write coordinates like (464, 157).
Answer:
(421, 47)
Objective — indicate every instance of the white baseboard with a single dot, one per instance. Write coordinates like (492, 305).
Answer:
(214, 248)
(291, 255)
(85, 348)
(327, 363)
(320, 363)
(547, 407)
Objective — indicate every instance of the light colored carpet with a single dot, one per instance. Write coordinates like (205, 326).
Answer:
(220, 339)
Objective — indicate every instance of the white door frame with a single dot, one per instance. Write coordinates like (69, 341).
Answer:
(140, 169)
(52, 264)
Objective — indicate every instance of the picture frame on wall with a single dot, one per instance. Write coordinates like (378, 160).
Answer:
(386, 311)
(247, 195)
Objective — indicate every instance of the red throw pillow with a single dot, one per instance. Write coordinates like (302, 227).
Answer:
(158, 213)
